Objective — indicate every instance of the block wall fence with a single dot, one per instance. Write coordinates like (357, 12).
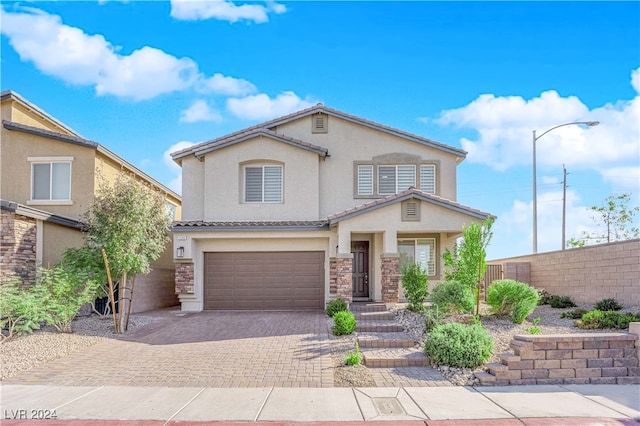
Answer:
(586, 274)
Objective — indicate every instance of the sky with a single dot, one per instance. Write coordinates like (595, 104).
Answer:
(146, 78)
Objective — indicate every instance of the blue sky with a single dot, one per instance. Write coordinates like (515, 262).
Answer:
(144, 78)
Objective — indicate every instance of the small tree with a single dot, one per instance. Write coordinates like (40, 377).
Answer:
(615, 220)
(129, 221)
(20, 310)
(414, 282)
(466, 262)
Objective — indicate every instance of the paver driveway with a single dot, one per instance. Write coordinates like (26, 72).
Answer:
(208, 349)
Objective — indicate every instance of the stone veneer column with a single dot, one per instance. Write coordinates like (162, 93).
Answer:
(18, 246)
(390, 269)
(343, 278)
(184, 278)
(333, 275)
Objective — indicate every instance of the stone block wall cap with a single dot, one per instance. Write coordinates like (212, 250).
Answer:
(575, 337)
(390, 255)
(182, 260)
(343, 256)
(187, 296)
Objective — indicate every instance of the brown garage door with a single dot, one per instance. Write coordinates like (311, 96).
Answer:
(264, 280)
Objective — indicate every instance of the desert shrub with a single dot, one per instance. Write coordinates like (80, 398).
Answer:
(561, 302)
(20, 310)
(575, 314)
(608, 305)
(344, 323)
(509, 297)
(544, 295)
(354, 358)
(433, 316)
(335, 306)
(606, 319)
(453, 297)
(459, 345)
(62, 293)
(414, 282)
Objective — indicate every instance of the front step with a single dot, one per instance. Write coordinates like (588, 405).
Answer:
(394, 357)
(385, 340)
(374, 316)
(378, 327)
(367, 307)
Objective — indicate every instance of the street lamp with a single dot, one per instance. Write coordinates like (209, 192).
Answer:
(535, 195)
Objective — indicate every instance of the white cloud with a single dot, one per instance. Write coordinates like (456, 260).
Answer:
(199, 111)
(224, 85)
(176, 182)
(635, 80)
(504, 131)
(262, 107)
(190, 10)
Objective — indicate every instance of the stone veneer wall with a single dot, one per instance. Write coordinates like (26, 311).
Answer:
(184, 278)
(18, 245)
(587, 274)
(342, 271)
(595, 358)
(390, 268)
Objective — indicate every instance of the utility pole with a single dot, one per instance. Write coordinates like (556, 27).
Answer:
(564, 205)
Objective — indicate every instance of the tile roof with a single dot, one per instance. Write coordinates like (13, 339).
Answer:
(319, 108)
(244, 135)
(28, 211)
(405, 195)
(12, 125)
(284, 225)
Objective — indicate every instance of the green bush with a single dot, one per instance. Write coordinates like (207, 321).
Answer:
(21, 311)
(344, 323)
(414, 282)
(335, 306)
(459, 345)
(608, 305)
(512, 297)
(606, 319)
(575, 314)
(354, 358)
(453, 297)
(62, 294)
(561, 302)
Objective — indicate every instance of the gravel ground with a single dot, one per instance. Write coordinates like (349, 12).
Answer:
(22, 353)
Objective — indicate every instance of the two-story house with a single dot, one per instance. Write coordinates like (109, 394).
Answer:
(319, 204)
(49, 177)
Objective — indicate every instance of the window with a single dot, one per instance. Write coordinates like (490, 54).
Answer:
(365, 180)
(418, 250)
(50, 180)
(428, 178)
(263, 184)
(394, 179)
(171, 210)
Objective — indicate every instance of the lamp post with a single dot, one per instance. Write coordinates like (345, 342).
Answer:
(535, 195)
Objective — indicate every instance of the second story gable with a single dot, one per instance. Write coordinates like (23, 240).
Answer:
(309, 165)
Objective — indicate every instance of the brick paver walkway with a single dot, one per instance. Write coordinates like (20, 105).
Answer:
(206, 349)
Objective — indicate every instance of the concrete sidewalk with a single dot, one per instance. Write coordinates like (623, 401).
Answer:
(510, 405)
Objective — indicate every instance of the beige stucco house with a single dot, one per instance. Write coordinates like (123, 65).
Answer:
(49, 176)
(316, 205)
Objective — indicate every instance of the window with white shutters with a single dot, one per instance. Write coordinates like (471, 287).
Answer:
(263, 184)
(365, 180)
(421, 251)
(428, 178)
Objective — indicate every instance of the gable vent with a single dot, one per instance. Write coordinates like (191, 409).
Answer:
(319, 123)
(410, 211)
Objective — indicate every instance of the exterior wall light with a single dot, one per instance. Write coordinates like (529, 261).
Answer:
(180, 252)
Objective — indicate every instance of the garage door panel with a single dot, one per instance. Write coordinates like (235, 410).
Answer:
(264, 280)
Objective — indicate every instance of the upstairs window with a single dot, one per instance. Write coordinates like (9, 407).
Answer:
(263, 184)
(394, 179)
(365, 180)
(428, 178)
(50, 180)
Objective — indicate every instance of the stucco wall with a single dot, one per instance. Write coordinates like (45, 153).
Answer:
(55, 240)
(588, 274)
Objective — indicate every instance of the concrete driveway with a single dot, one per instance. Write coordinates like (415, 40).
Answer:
(207, 349)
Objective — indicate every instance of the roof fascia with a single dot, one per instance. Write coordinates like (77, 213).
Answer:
(61, 137)
(40, 214)
(249, 228)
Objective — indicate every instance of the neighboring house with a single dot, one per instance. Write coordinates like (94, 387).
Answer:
(49, 177)
(316, 205)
